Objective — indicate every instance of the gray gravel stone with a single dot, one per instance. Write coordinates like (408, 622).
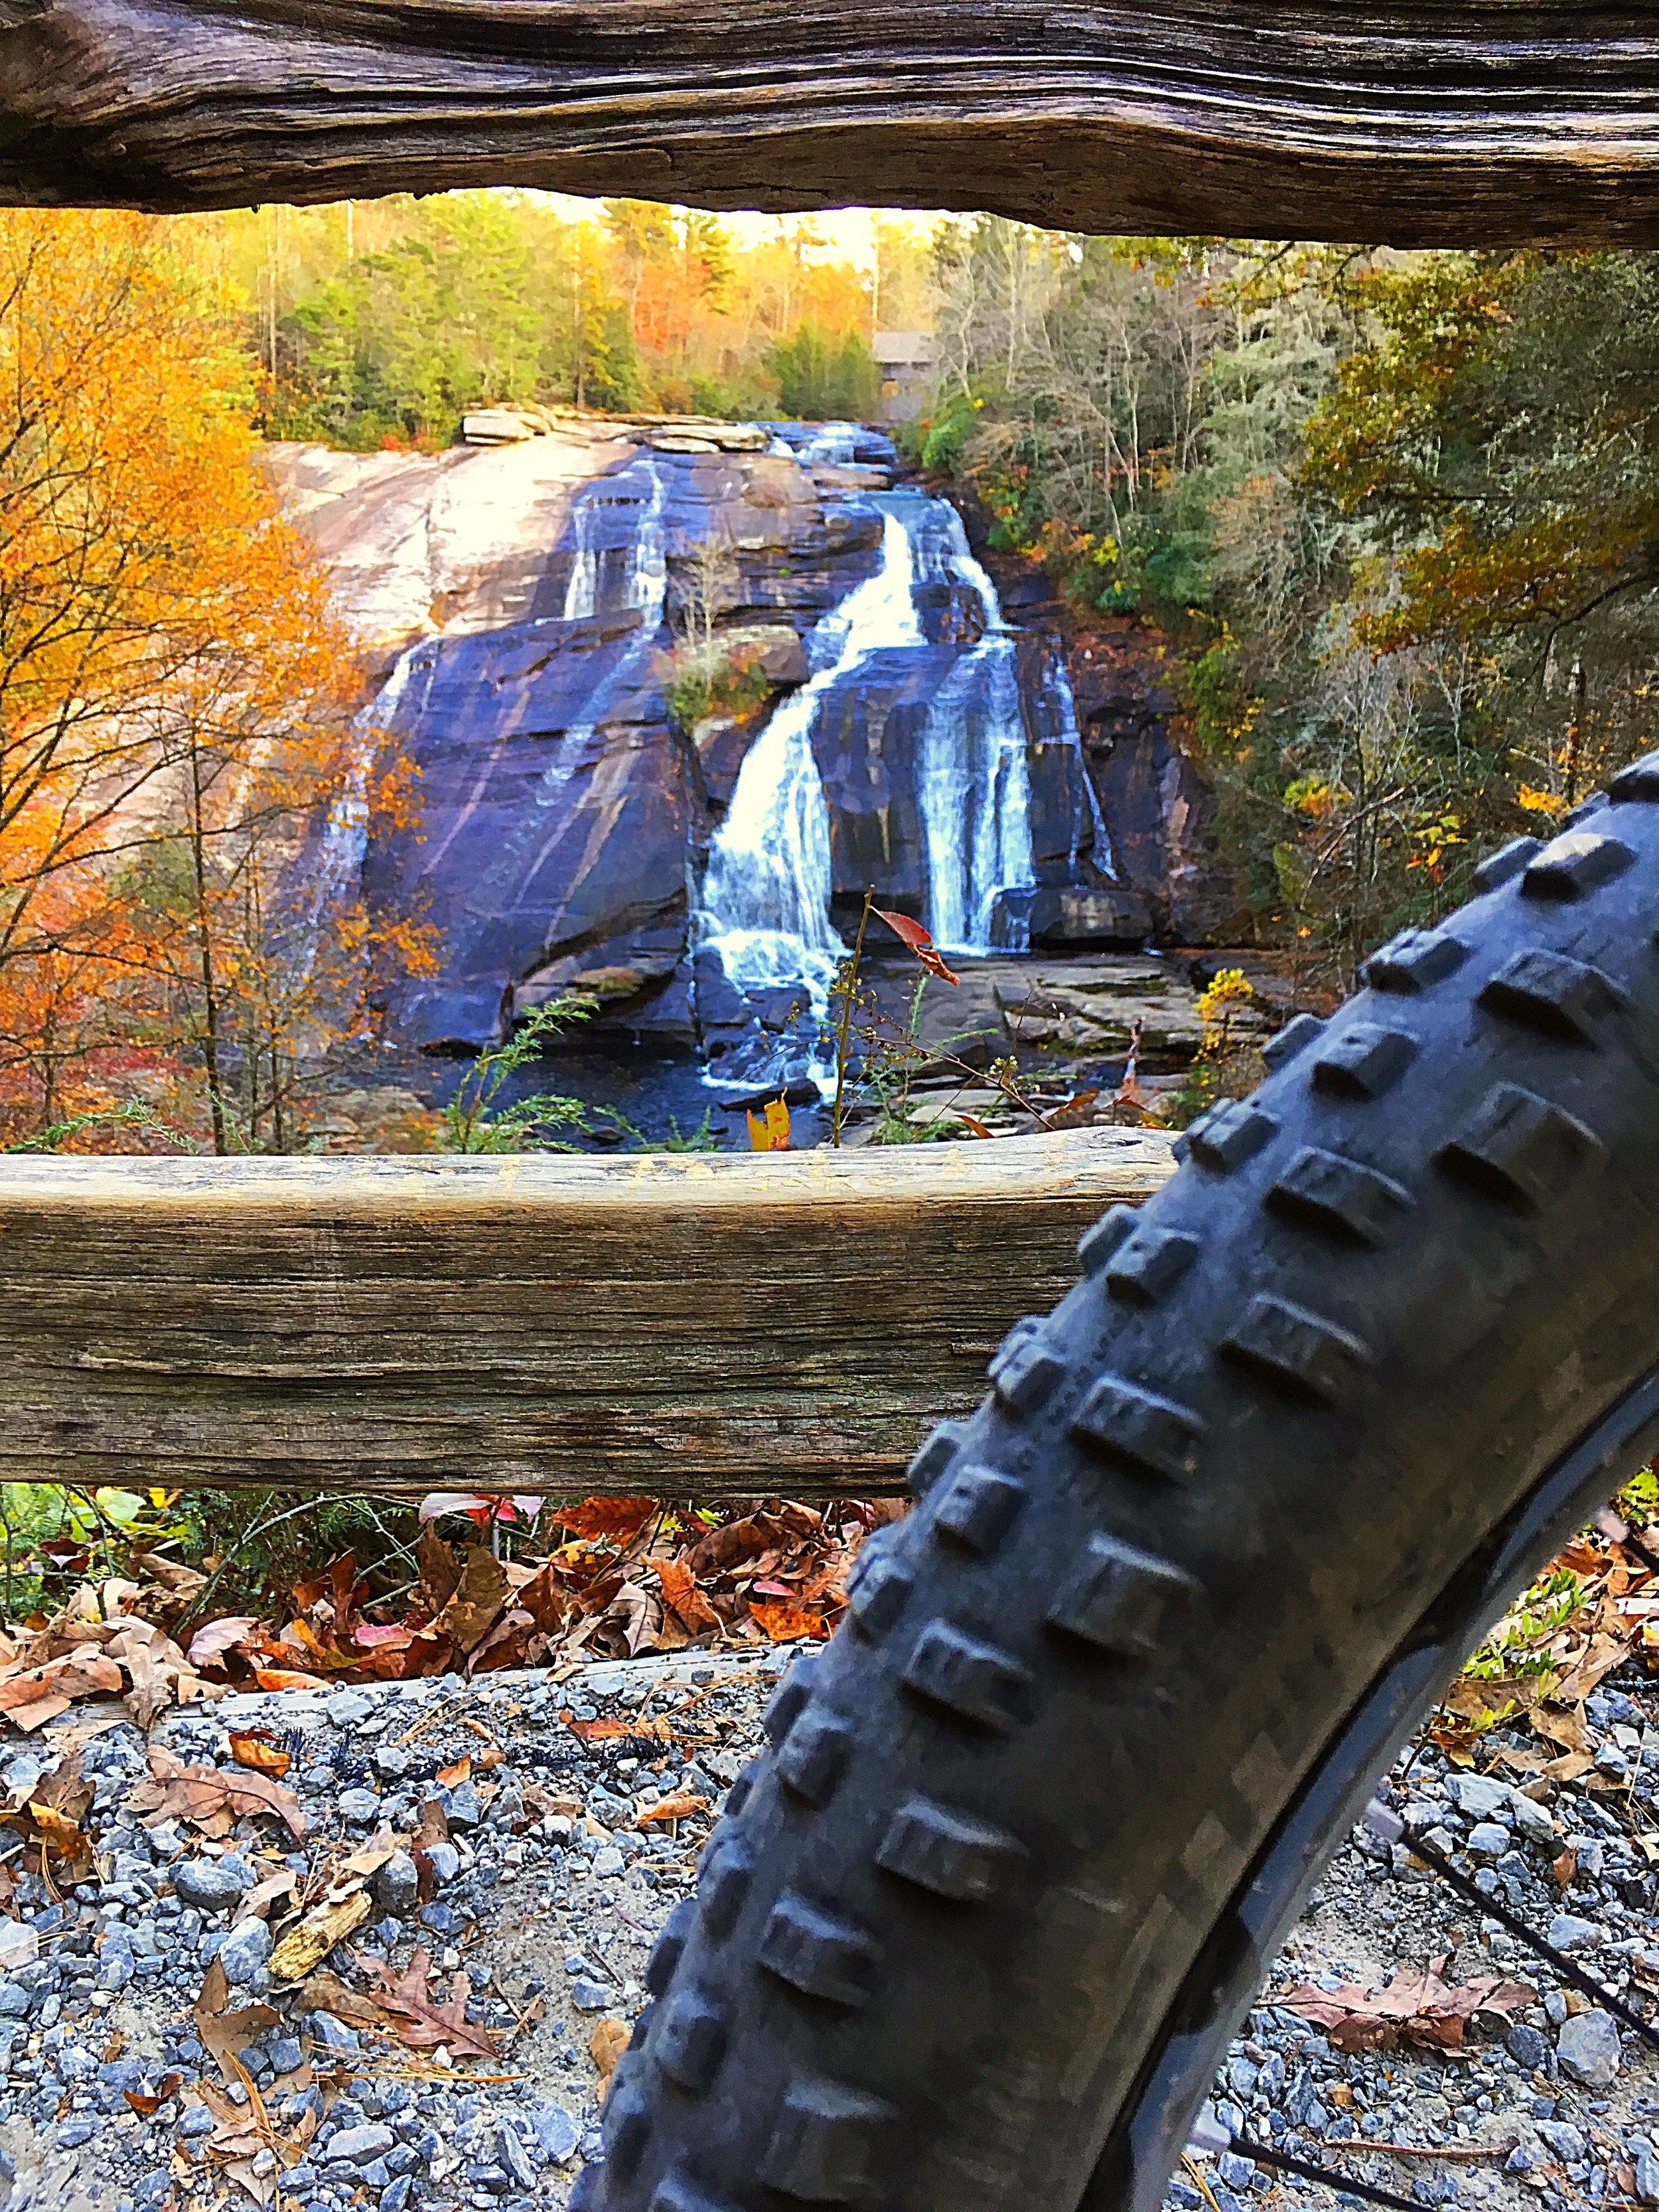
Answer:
(1527, 2045)
(1477, 1796)
(556, 2133)
(397, 1886)
(1487, 1840)
(1568, 1932)
(360, 2145)
(359, 1807)
(246, 1953)
(1563, 2138)
(210, 1885)
(1588, 2046)
(1533, 1819)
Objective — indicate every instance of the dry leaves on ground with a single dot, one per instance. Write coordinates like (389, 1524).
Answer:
(604, 2047)
(420, 2021)
(624, 1576)
(211, 1798)
(241, 2131)
(94, 1648)
(1594, 1608)
(1418, 2005)
(223, 2030)
(47, 1813)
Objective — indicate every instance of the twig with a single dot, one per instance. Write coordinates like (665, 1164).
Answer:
(1460, 2153)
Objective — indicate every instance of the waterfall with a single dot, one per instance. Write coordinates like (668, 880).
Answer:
(335, 872)
(498, 886)
(587, 592)
(766, 895)
(974, 786)
(1058, 710)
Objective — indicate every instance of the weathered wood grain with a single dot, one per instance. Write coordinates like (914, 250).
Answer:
(678, 1325)
(1409, 123)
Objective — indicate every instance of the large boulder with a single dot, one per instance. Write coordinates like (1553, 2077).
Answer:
(550, 844)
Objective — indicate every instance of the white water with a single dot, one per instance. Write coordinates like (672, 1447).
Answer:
(645, 587)
(337, 874)
(973, 784)
(766, 895)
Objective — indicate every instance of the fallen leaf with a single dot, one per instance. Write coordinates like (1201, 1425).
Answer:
(604, 2047)
(210, 1644)
(1417, 2005)
(606, 1520)
(205, 1794)
(222, 2033)
(288, 1678)
(769, 1132)
(441, 1570)
(1563, 1869)
(146, 2102)
(683, 1598)
(326, 1992)
(655, 1731)
(256, 1750)
(672, 1808)
(480, 1594)
(547, 1602)
(437, 1503)
(433, 1827)
(728, 1547)
(322, 1927)
(786, 1624)
(448, 1776)
(421, 2023)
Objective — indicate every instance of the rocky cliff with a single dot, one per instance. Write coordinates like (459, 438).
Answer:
(520, 602)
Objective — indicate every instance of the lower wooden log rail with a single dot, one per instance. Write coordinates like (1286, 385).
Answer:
(684, 1326)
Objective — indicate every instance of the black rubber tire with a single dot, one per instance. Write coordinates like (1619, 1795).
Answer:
(974, 1932)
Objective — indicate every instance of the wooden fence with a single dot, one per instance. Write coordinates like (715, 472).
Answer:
(688, 1325)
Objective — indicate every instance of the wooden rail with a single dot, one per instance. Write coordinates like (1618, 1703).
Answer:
(1489, 123)
(680, 1325)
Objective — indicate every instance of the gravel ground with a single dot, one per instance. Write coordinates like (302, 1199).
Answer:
(550, 1897)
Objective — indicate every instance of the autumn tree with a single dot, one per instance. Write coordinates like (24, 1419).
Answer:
(175, 690)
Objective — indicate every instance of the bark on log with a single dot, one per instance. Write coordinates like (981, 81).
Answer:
(679, 1326)
(1407, 124)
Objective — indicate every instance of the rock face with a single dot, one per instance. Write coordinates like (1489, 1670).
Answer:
(520, 599)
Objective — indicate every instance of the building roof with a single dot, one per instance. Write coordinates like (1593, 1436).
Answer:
(903, 345)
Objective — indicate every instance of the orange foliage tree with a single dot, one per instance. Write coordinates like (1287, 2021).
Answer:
(177, 704)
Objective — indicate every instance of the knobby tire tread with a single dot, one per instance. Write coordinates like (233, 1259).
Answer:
(949, 1913)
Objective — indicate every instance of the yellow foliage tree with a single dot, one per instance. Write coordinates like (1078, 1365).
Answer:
(177, 695)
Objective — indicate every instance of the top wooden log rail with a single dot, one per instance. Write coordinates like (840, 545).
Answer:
(1413, 125)
(683, 1326)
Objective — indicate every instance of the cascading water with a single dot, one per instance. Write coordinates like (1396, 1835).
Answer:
(647, 590)
(766, 895)
(618, 528)
(334, 873)
(974, 786)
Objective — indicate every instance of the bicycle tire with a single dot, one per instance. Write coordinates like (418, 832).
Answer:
(974, 1931)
